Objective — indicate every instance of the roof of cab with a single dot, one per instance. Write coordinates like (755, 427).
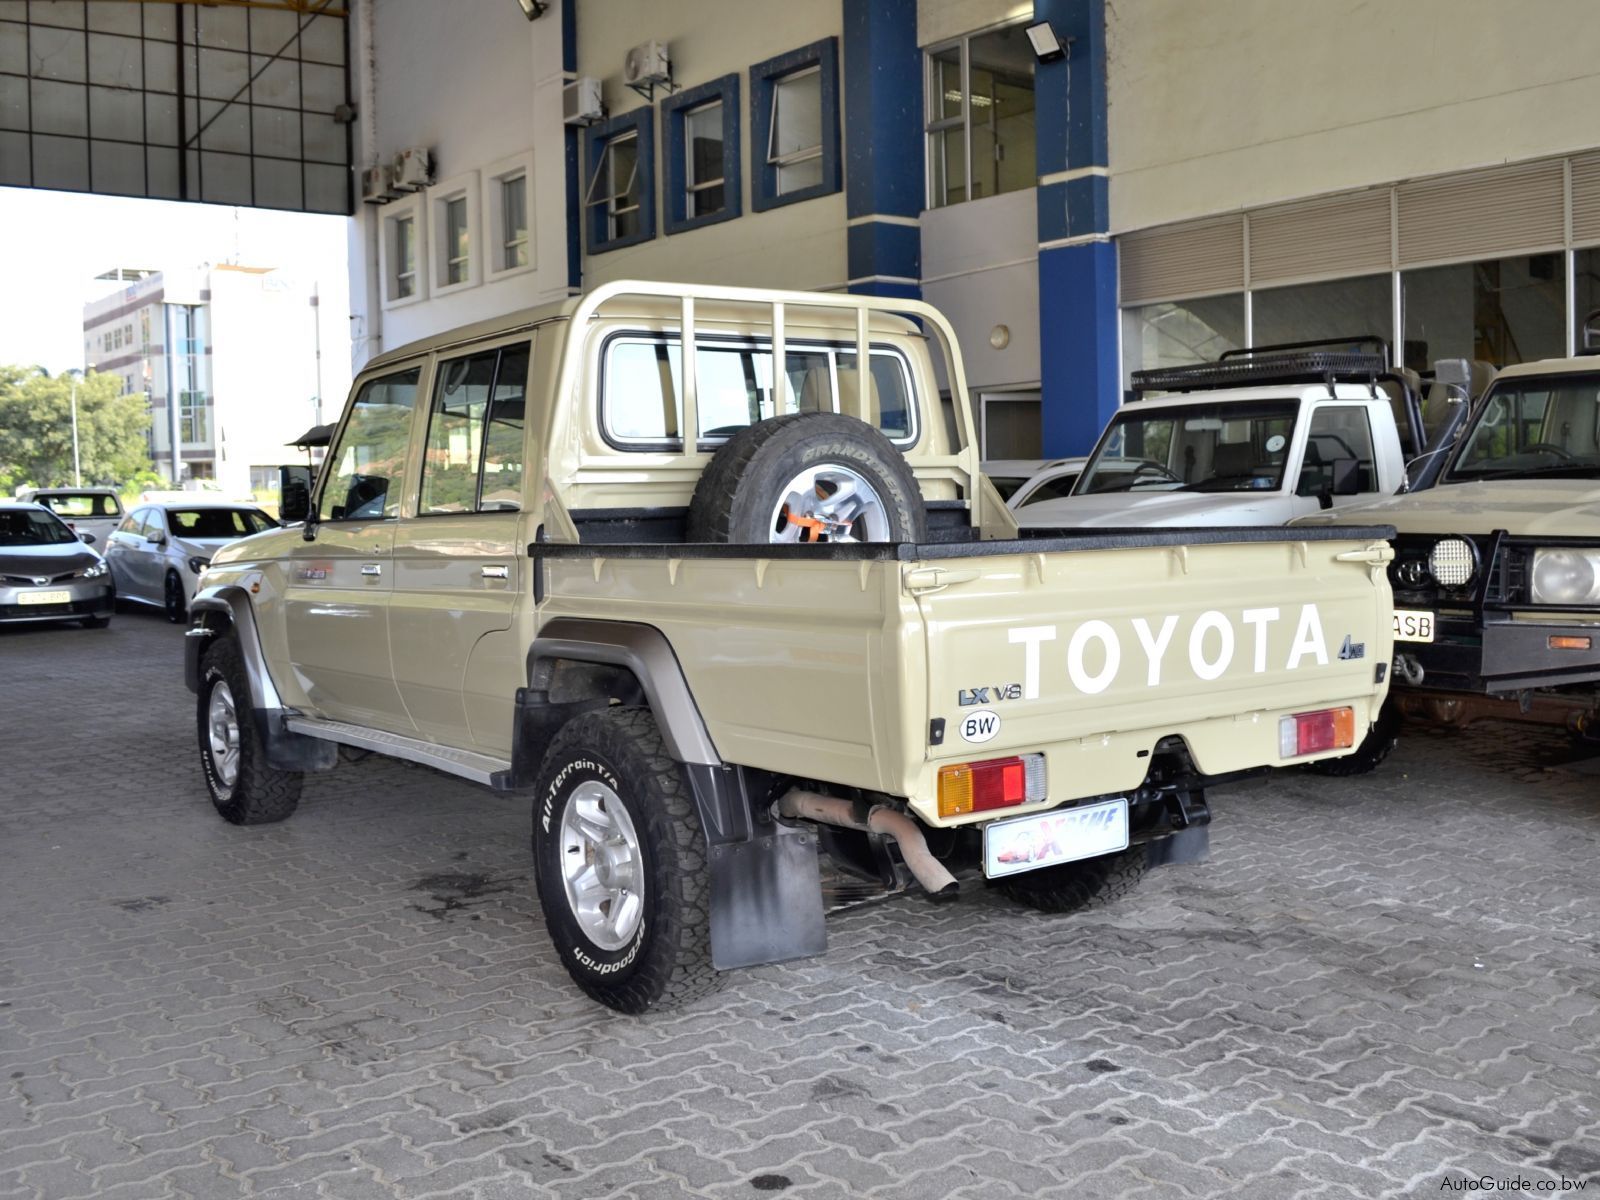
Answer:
(1582, 365)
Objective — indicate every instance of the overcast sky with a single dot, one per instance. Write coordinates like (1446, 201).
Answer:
(53, 244)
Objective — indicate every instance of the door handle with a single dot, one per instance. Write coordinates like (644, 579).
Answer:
(496, 572)
(371, 570)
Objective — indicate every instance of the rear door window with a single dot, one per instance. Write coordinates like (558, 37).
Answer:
(473, 461)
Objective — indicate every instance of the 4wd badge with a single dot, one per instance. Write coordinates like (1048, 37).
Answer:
(980, 725)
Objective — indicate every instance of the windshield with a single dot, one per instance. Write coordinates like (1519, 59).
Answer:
(1540, 425)
(30, 527)
(1195, 448)
(217, 522)
(81, 504)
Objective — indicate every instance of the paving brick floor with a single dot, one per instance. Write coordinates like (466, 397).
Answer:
(1374, 988)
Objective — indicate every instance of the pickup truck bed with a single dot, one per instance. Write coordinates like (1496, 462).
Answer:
(884, 650)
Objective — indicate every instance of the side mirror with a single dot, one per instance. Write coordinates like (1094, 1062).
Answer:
(294, 493)
(86, 538)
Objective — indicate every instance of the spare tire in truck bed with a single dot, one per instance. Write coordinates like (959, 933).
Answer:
(807, 477)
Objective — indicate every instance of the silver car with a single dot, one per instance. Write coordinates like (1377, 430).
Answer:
(92, 510)
(47, 573)
(160, 549)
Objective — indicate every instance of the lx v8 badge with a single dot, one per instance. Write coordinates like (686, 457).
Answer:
(966, 697)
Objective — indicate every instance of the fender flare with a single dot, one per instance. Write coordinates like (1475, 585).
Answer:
(233, 602)
(218, 610)
(642, 650)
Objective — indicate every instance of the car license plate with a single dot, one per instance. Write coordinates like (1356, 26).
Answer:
(1062, 835)
(44, 597)
(1413, 625)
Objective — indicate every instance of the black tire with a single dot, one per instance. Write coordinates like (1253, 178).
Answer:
(736, 494)
(258, 794)
(1074, 886)
(1374, 748)
(173, 603)
(95, 622)
(666, 961)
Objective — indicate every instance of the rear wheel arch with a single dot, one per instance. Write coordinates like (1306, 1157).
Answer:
(576, 664)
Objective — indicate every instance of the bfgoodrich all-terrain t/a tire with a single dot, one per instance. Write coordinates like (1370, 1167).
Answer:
(245, 790)
(1072, 886)
(624, 879)
(820, 457)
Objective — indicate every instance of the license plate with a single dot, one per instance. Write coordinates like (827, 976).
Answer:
(1065, 835)
(1413, 625)
(44, 597)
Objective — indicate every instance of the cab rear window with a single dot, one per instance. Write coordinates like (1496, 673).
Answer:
(82, 504)
(641, 388)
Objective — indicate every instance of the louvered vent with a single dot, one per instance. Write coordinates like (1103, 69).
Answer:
(1198, 259)
(1320, 239)
(1486, 214)
(1586, 199)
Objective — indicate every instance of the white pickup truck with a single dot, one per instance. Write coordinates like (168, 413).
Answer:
(1256, 438)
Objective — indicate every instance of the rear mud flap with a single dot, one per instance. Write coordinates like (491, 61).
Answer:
(1189, 845)
(766, 900)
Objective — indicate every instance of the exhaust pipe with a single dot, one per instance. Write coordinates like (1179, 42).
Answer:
(833, 810)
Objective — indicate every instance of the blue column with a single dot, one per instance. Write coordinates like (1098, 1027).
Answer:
(1078, 315)
(883, 176)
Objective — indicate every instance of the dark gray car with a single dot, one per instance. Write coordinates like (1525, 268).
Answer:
(47, 573)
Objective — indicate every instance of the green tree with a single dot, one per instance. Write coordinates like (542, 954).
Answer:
(36, 430)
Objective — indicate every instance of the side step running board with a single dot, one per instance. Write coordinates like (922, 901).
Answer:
(480, 768)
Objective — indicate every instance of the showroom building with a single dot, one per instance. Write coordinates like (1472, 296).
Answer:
(1168, 187)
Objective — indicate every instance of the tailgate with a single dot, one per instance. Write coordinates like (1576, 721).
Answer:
(1093, 649)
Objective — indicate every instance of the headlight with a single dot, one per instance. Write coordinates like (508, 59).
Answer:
(93, 571)
(1566, 576)
(199, 564)
(1453, 562)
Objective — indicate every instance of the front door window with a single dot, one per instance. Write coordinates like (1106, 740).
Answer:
(366, 470)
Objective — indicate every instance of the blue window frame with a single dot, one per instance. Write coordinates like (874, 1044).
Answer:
(619, 193)
(794, 126)
(700, 128)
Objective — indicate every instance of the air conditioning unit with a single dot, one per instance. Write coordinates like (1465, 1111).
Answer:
(413, 169)
(580, 102)
(647, 64)
(375, 186)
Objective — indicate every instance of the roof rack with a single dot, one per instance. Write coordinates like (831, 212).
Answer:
(1288, 362)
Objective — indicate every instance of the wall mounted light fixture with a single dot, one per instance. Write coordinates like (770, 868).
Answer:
(1047, 47)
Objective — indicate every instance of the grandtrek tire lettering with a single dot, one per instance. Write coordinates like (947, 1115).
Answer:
(1309, 642)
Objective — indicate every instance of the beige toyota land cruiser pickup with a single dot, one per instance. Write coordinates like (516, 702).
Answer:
(714, 573)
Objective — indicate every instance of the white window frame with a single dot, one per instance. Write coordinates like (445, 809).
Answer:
(463, 188)
(495, 176)
(936, 127)
(388, 269)
(609, 199)
(692, 187)
(806, 153)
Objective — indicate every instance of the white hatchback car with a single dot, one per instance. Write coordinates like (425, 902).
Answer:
(159, 550)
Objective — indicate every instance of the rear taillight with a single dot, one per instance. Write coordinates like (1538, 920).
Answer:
(1314, 732)
(994, 783)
